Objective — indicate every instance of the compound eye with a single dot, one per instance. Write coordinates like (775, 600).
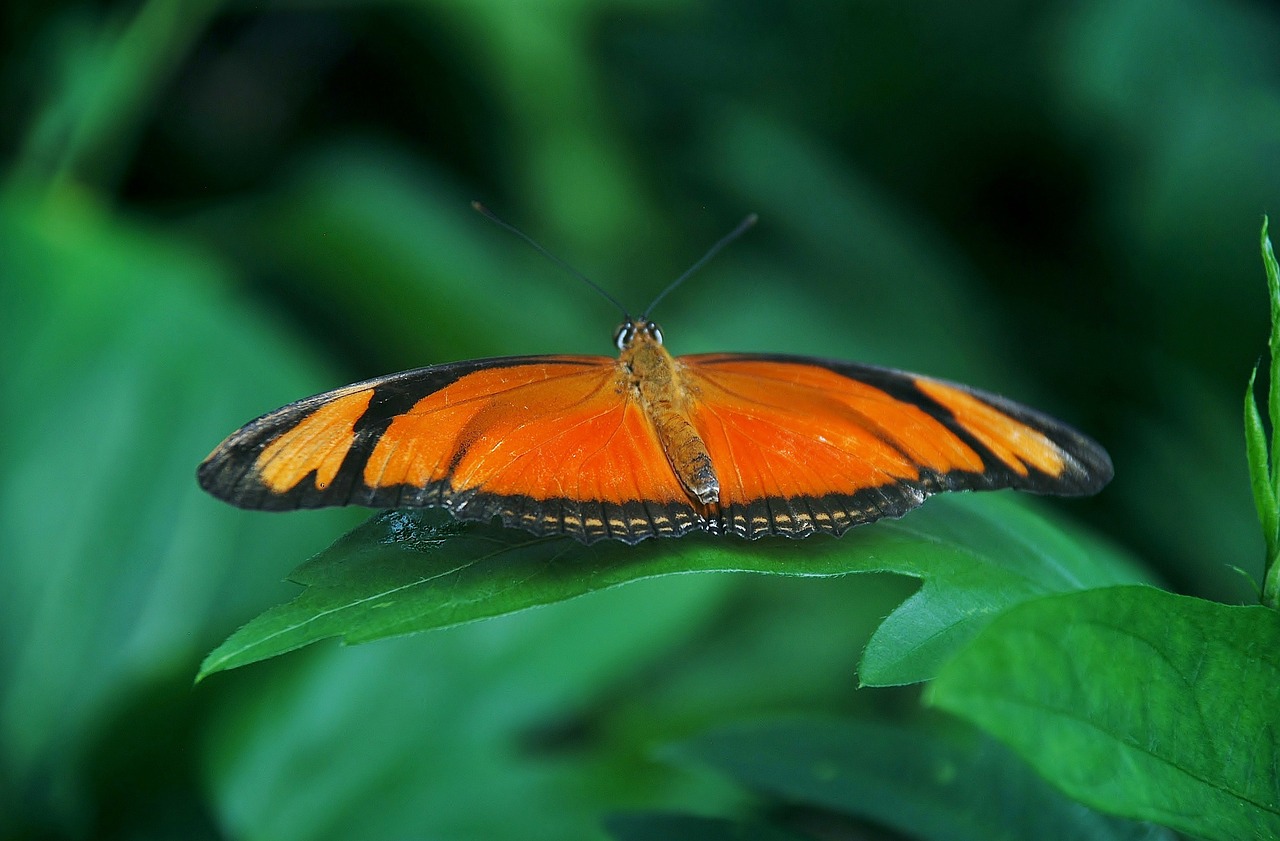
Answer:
(624, 334)
(654, 331)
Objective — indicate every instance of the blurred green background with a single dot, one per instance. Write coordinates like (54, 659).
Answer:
(209, 210)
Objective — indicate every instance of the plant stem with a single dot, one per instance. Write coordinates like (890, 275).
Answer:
(1271, 569)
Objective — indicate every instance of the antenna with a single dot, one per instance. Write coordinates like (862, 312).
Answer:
(492, 217)
(711, 252)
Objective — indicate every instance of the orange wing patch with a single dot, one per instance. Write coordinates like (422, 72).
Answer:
(802, 430)
(801, 449)
(807, 445)
(565, 436)
(319, 442)
(1013, 442)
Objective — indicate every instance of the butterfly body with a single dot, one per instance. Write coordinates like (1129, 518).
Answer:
(660, 386)
(650, 445)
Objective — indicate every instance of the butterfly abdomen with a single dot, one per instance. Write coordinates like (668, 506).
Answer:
(654, 381)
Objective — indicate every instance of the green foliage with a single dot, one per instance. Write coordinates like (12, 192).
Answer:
(1191, 743)
(405, 571)
(1264, 472)
(208, 210)
(117, 579)
(669, 827)
(926, 779)
(483, 714)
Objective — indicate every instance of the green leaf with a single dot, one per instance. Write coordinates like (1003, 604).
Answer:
(405, 571)
(660, 826)
(478, 734)
(926, 780)
(1264, 498)
(989, 556)
(1271, 572)
(1273, 394)
(1137, 702)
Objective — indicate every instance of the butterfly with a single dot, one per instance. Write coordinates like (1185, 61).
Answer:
(647, 444)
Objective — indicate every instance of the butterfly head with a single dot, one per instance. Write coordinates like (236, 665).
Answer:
(637, 330)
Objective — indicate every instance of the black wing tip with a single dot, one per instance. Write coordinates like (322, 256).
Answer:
(1087, 466)
(1094, 470)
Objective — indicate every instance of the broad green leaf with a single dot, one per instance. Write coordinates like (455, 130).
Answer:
(660, 826)
(925, 779)
(478, 734)
(975, 566)
(1137, 702)
(406, 571)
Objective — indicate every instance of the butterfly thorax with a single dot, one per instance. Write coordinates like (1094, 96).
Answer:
(652, 378)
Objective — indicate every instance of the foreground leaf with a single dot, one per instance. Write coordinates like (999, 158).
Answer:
(976, 563)
(1138, 702)
(407, 571)
(484, 733)
(925, 780)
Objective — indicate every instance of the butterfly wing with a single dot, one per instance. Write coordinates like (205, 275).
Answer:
(551, 444)
(807, 445)
(560, 445)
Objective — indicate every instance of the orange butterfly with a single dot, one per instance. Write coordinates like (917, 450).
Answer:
(650, 445)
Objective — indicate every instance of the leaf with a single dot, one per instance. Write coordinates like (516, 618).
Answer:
(1259, 471)
(1137, 702)
(660, 826)
(405, 571)
(456, 738)
(925, 780)
(1271, 523)
(1273, 393)
(975, 567)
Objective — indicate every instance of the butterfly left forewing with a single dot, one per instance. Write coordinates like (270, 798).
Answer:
(317, 452)
(821, 446)
(551, 444)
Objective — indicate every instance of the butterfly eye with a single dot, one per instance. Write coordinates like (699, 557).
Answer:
(624, 334)
(654, 331)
